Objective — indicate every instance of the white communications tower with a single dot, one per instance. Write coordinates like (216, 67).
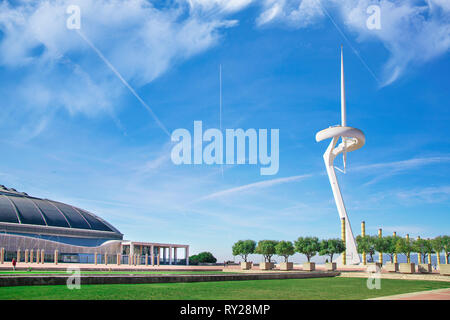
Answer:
(351, 140)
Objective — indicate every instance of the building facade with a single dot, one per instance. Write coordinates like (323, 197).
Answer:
(34, 229)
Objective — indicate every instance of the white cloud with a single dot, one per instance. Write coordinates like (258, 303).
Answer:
(413, 32)
(219, 6)
(297, 13)
(58, 69)
(140, 40)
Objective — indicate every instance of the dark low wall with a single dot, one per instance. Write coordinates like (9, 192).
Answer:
(39, 280)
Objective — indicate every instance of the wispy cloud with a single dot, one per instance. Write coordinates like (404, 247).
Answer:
(253, 186)
(388, 169)
(428, 194)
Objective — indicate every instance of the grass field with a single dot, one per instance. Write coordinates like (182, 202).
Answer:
(318, 288)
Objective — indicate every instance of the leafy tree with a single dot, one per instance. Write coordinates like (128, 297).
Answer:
(423, 247)
(243, 248)
(380, 244)
(446, 245)
(405, 247)
(331, 247)
(438, 245)
(285, 249)
(366, 244)
(309, 246)
(266, 248)
(202, 257)
(390, 246)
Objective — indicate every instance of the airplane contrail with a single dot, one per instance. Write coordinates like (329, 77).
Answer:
(114, 70)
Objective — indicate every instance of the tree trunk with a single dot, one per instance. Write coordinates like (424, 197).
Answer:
(331, 258)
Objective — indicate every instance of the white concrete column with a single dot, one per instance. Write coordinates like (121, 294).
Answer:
(18, 255)
(131, 248)
(38, 254)
(170, 255)
(164, 254)
(31, 255)
(106, 258)
(2, 255)
(175, 254)
(42, 256)
(95, 258)
(56, 257)
(146, 259)
(26, 255)
(158, 256)
(187, 255)
(153, 255)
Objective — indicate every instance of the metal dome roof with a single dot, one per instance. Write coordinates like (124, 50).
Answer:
(20, 208)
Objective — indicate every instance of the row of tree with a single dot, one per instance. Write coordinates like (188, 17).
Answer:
(392, 245)
(309, 246)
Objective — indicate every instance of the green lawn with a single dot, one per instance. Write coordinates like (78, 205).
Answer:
(319, 288)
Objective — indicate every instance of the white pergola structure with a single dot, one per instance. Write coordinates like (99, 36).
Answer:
(156, 251)
(351, 140)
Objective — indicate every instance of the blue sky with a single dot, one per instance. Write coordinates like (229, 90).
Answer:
(73, 132)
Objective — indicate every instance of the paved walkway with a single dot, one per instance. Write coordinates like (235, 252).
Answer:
(402, 276)
(439, 294)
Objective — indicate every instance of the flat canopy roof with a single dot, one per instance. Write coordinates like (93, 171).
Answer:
(156, 244)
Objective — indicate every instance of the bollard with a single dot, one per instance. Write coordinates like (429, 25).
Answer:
(344, 254)
(380, 254)
(363, 234)
(407, 239)
(419, 256)
(395, 254)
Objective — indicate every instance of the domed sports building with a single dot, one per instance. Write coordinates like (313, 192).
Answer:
(41, 230)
